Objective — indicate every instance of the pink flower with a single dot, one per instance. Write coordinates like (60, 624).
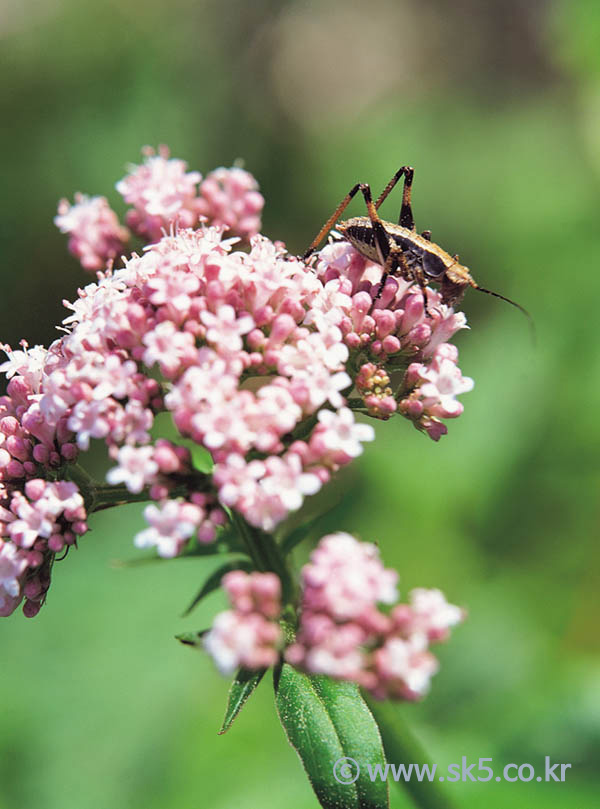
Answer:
(404, 668)
(374, 384)
(338, 438)
(162, 194)
(253, 592)
(171, 525)
(432, 391)
(28, 364)
(225, 330)
(346, 579)
(13, 563)
(137, 468)
(442, 382)
(172, 349)
(33, 521)
(240, 639)
(344, 634)
(326, 647)
(230, 197)
(96, 237)
(37, 521)
(248, 635)
(429, 614)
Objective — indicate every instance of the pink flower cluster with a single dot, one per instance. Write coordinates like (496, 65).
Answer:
(95, 234)
(230, 197)
(390, 331)
(162, 193)
(244, 358)
(247, 635)
(253, 356)
(163, 196)
(431, 389)
(38, 517)
(343, 632)
(36, 523)
(171, 524)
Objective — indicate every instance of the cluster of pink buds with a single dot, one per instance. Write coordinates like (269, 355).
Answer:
(230, 197)
(39, 515)
(27, 442)
(344, 633)
(162, 195)
(161, 192)
(95, 234)
(35, 524)
(247, 635)
(390, 329)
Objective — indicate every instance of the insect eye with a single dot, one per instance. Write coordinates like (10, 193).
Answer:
(433, 266)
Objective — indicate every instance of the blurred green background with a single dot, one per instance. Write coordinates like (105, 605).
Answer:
(497, 106)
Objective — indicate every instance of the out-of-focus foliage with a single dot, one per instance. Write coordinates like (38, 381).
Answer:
(497, 106)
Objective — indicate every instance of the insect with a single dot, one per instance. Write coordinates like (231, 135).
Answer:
(399, 248)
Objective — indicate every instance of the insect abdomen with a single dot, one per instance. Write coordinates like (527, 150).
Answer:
(360, 234)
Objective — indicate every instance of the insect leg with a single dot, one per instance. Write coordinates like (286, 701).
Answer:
(390, 254)
(395, 260)
(331, 221)
(421, 280)
(406, 216)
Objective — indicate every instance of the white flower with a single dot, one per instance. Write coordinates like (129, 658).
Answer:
(170, 527)
(224, 330)
(136, 468)
(12, 564)
(342, 433)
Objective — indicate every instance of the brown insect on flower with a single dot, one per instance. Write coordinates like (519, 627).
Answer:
(399, 248)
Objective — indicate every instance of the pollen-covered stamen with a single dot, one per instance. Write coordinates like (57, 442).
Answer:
(373, 384)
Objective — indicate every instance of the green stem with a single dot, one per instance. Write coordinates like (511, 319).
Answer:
(279, 565)
(265, 553)
(109, 496)
(99, 496)
(401, 747)
(254, 549)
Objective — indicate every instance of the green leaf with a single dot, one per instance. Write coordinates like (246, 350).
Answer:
(244, 683)
(214, 581)
(192, 638)
(327, 720)
(299, 533)
(202, 459)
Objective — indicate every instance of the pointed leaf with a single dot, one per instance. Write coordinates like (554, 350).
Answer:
(214, 580)
(192, 638)
(244, 683)
(334, 733)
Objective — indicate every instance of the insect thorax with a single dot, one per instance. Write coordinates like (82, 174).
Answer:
(417, 250)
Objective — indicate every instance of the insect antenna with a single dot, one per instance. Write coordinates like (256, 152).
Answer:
(512, 303)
